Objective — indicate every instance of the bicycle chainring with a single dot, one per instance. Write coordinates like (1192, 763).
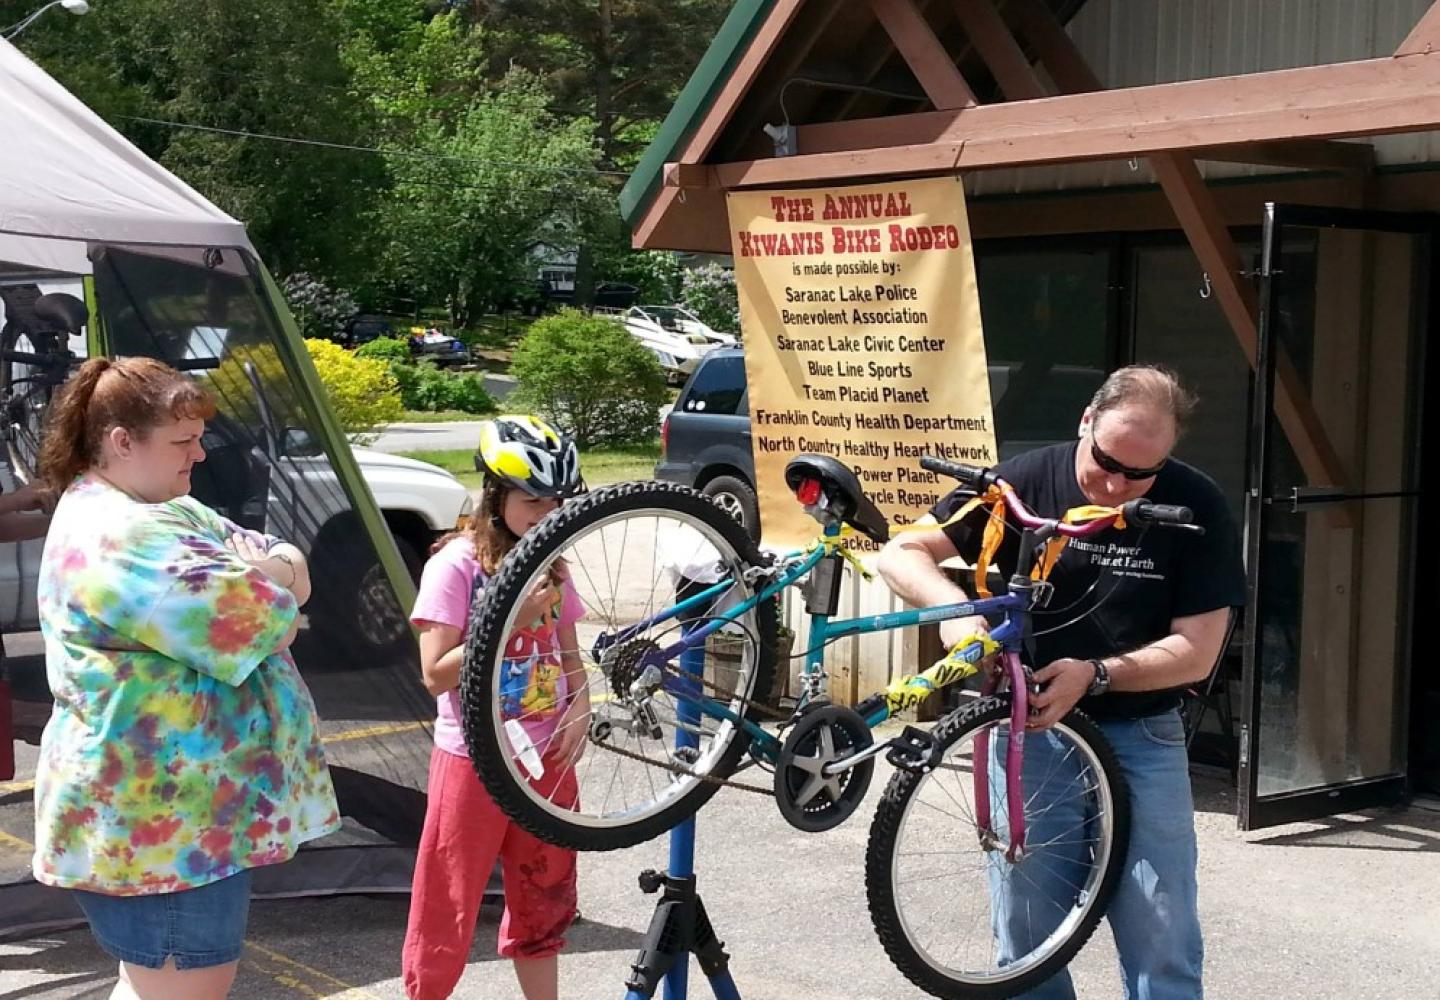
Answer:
(810, 799)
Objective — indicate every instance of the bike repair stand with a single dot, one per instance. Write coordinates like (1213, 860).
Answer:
(680, 927)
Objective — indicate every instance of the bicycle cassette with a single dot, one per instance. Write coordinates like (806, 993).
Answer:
(809, 798)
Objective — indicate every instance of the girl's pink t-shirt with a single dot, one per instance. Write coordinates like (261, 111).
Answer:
(533, 687)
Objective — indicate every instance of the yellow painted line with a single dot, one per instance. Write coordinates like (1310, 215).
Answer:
(368, 731)
(17, 786)
(350, 990)
(10, 840)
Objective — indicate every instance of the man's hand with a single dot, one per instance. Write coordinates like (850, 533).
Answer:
(30, 497)
(957, 630)
(1062, 685)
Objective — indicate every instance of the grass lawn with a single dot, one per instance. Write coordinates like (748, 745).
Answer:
(601, 466)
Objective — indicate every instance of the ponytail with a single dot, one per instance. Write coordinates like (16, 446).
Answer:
(65, 448)
(141, 394)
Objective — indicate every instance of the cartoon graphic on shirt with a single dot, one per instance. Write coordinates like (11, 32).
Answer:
(530, 688)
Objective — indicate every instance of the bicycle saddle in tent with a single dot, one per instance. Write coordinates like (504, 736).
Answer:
(844, 492)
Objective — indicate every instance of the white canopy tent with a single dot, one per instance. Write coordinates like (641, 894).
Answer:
(67, 175)
(83, 208)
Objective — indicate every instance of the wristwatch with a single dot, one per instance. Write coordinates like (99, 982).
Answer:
(1101, 683)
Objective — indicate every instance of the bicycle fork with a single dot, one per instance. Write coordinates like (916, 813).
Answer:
(1014, 672)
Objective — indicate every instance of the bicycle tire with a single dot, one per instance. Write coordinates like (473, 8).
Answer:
(883, 844)
(24, 412)
(485, 649)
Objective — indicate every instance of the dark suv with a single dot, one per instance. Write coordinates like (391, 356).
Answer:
(705, 441)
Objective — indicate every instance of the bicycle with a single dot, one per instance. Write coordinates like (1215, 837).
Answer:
(34, 362)
(650, 714)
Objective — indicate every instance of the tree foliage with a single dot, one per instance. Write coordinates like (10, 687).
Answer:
(441, 140)
(590, 376)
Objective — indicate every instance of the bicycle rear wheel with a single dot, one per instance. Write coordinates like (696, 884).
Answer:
(26, 401)
(631, 552)
(954, 915)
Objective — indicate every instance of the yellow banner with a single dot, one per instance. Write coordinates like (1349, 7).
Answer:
(862, 341)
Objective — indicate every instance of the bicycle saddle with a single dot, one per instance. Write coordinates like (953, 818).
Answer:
(61, 312)
(844, 492)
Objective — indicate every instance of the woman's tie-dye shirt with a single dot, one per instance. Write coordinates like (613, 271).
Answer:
(181, 749)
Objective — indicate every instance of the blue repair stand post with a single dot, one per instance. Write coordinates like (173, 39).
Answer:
(680, 927)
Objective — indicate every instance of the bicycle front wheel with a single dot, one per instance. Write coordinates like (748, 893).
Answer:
(955, 915)
(642, 757)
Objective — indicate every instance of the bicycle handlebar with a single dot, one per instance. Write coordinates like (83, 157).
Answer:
(972, 477)
(1139, 512)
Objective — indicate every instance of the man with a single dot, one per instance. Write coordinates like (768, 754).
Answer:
(1159, 604)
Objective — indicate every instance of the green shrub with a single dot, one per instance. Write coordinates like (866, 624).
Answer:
(362, 391)
(384, 349)
(428, 388)
(590, 376)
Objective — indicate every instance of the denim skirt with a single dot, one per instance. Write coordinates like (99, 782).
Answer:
(201, 927)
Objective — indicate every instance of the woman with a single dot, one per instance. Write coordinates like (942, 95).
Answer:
(183, 749)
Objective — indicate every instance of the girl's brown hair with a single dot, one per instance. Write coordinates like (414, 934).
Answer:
(138, 394)
(489, 534)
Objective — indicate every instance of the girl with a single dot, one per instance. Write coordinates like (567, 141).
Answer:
(529, 469)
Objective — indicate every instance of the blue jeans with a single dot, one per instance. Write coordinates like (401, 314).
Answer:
(1153, 915)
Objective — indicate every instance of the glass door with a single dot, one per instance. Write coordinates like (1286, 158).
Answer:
(1331, 503)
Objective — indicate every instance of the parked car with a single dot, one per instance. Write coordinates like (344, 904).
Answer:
(439, 347)
(284, 484)
(705, 439)
(365, 327)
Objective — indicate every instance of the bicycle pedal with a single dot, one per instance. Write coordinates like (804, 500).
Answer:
(915, 751)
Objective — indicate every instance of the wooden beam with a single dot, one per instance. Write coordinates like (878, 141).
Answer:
(1306, 154)
(991, 38)
(872, 66)
(736, 86)
(1210, 239)
(933, 68)
(1360, 98)
(1058, 54)
(1425, 36)
(1204, 227)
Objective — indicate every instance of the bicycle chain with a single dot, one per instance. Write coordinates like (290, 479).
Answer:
(675, 767)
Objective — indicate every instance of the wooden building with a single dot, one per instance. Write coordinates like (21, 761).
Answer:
(1242, 189)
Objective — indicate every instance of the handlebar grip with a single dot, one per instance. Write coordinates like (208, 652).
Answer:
(1169, 515)
(194, 364)
(971, 477)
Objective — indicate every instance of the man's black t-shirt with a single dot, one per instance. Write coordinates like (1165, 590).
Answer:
(1142, 579)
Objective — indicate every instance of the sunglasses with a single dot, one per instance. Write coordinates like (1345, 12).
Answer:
(1117, 468)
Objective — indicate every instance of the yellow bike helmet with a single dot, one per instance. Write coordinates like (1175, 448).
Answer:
(530, 455)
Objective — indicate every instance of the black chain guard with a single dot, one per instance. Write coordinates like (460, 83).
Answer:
(824, 733)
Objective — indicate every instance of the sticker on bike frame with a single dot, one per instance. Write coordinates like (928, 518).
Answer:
(948, 611)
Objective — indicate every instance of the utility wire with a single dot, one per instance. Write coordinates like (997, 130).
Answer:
(504, 164)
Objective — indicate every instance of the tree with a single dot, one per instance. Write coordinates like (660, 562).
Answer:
(499, 179)
(709, 292)
(319, 309)
(588, 375)
(267, 67)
